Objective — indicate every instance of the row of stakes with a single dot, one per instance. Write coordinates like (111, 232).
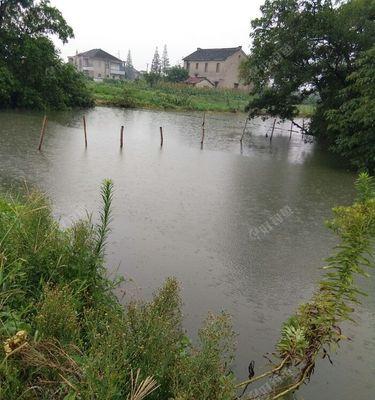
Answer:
(45, 121)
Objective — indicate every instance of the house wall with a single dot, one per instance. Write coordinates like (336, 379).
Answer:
(97, 68)
(226, 77)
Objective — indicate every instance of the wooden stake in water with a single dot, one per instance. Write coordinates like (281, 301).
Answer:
(85, 130)
(42, 132)
(122, 137)
(291, 130)
(273, 128)
(203, 128)
(161, 136)
(244, 130)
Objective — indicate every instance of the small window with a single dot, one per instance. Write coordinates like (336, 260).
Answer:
(99, 75)
(188, 66)
(205, 67)
(196, 65)
(236, 85)
(218, 67)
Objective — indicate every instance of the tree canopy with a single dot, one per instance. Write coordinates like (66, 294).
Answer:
(302, 48)
(356, 115)
(156, 63)
(176, 74)
(32, 73)
(165, 60)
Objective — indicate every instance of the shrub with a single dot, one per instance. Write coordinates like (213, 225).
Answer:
(80, 341)
(57, 315)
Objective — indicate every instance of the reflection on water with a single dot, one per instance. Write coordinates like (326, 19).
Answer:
(188, 212)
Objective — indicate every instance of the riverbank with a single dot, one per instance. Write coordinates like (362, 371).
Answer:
(179, 97)
(66, 336)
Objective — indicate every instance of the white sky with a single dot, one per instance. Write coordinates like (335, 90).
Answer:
(116, 26)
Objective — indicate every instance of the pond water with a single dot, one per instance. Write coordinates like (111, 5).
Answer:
(193, 213)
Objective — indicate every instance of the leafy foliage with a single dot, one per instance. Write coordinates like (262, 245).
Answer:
(32, 74)
(70, 338)
(176, 74)
(352, 124)
(304, 48)
(165, 95)
(315, 329)
(156, 64)
(165, 61)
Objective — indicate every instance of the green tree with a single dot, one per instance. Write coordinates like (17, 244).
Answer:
(176, 74)
(152, 78)
(156, 63)
(33, 75)
(165, 60)
(129, 69)
(352, 124)
(303, 48)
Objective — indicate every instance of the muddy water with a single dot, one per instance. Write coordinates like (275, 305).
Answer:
(207, 216)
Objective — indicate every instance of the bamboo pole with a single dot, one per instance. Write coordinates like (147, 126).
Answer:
(42, 132)
(244, 130)
(122, 137)
(85, 130)
(161, 137)
(273, 128)
(203, 128)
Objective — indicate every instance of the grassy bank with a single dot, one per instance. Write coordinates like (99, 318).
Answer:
(168, 97)
(66, 336)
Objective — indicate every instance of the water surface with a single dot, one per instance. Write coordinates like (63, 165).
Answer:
(189, 212)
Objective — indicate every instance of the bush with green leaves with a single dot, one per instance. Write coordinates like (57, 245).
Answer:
(65, 334)
(315, 329)
(303, 49)
(32, 74)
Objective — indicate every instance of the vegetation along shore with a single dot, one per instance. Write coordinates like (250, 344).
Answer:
(174, 96)
(66, 336)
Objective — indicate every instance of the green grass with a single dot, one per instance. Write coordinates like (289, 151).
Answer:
(168, 97)
(65, 334)
(179, 97)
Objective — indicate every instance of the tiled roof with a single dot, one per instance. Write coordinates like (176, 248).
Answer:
(99, 53)
(212, 54)
(193, 80)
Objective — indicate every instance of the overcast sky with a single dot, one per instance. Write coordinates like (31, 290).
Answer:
(119, 25)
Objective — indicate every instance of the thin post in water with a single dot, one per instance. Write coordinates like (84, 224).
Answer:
(203, 127)
(291, 130)
(85, 130)
(42, 132)
(122, 137)
(303, 128)
(273, 128)
(244, 130)
(161, 136)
